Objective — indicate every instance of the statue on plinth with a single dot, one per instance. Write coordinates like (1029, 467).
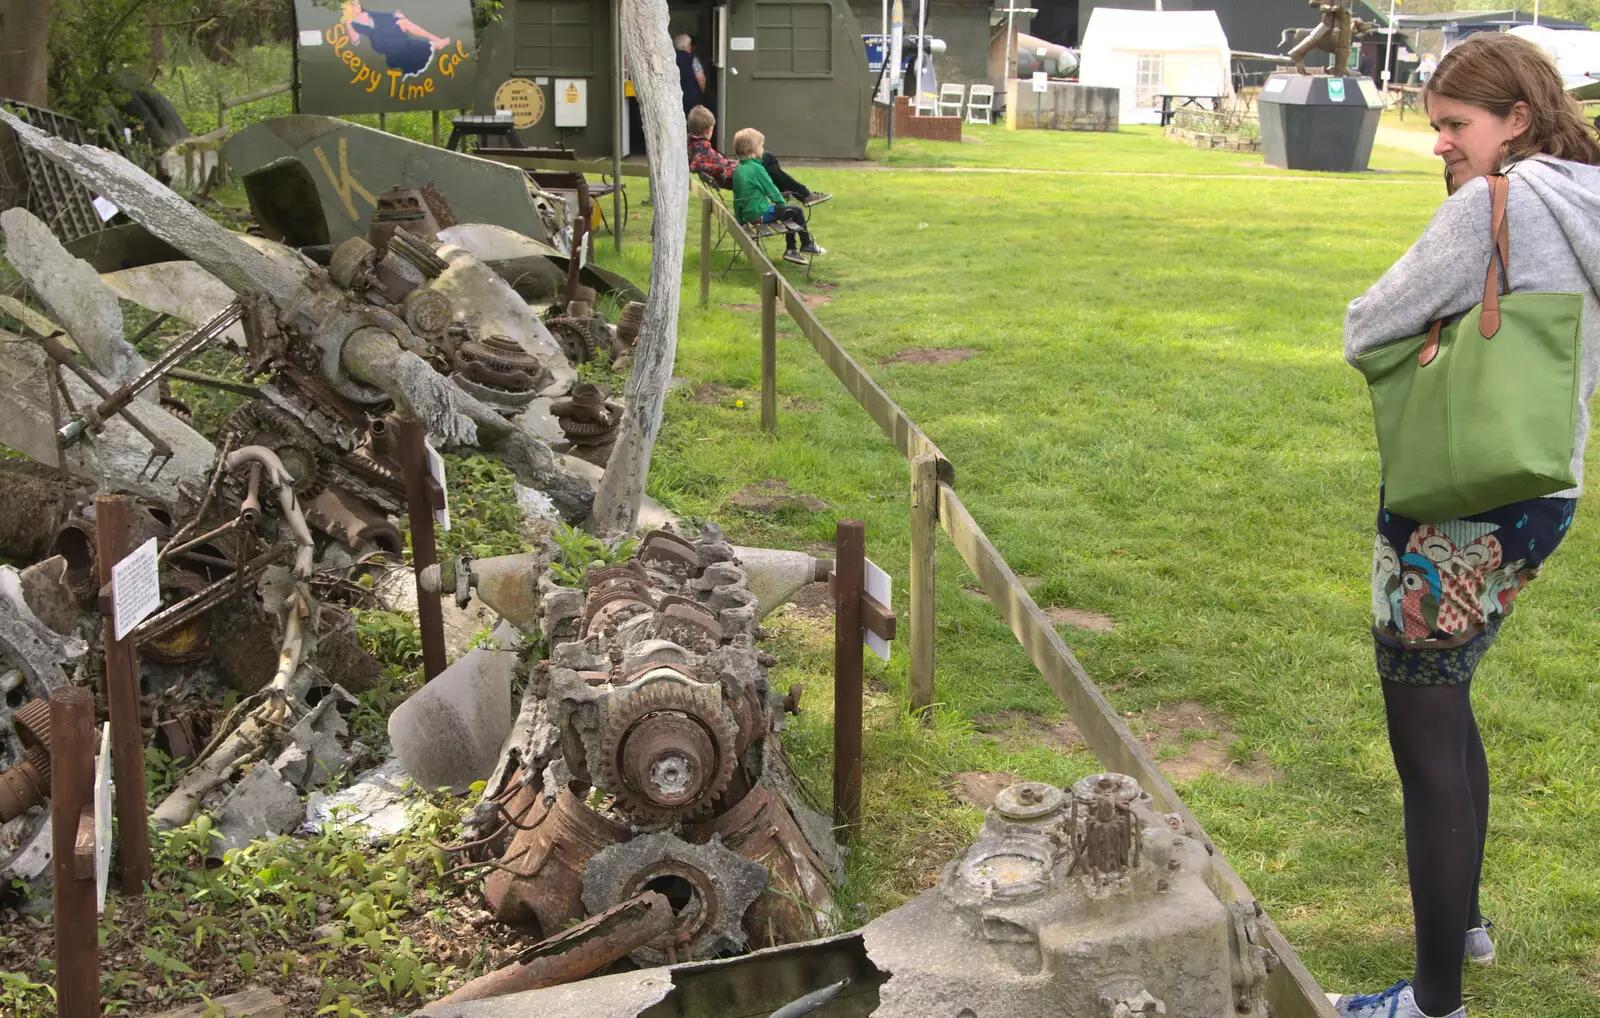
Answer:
(1333, 36)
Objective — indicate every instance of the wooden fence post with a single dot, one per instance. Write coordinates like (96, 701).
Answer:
(849, 577)
(422, 498)
(122, 702)
(769, 352)
(71, 792)
(924, 531)
(705, 251)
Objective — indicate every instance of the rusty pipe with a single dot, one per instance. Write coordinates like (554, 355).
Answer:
(250, 508)
(26, 785)
(280, 478)
(575, 953)
(384, 442)
(202, 539)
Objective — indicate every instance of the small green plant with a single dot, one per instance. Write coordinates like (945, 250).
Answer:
(391, 637)
(578, 552)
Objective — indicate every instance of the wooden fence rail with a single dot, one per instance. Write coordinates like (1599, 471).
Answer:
(1291, 989)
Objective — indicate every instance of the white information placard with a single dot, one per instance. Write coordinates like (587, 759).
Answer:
(436, 468)
(742, 43)
(102, 816)
(880, 588)
(1041, 81)
(135, 588)
(311, 37)
(572, 102)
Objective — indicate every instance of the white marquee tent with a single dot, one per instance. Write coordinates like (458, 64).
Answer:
(1575, 52)
(1148, 53)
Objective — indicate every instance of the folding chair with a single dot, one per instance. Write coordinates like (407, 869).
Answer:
(950, 99)
(927, 104)
(980, 100)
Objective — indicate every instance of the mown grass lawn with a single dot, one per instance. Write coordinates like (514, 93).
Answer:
(1155, 424)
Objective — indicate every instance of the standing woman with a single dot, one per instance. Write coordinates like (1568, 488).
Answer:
(1442, 590)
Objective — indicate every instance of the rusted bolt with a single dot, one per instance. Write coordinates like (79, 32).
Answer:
(1030, 796)
(1173, 864)
(764, 659)
(1244, 1006)
(1162, 885)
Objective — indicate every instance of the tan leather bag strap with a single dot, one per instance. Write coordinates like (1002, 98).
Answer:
(1499, 257)
(1496, 278)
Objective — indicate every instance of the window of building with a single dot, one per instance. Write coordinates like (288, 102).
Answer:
(794, 40)
(1149, 80)
(555, 37)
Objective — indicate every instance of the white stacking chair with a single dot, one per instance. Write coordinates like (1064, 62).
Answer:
(980, 100)
(951, 96)
(927, 104)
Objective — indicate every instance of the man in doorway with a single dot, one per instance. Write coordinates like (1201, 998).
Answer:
(691, 74)
(704, 158)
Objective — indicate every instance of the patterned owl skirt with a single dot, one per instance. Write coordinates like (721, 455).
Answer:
(1441, 590)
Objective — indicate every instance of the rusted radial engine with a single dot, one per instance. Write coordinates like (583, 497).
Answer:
(649, 761)
(667, 751)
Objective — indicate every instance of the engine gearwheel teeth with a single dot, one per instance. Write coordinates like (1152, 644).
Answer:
(632, 750)
(573, 335)
(31, 722)
(260, 423)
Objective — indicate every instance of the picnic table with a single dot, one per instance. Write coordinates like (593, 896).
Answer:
(1192, 101)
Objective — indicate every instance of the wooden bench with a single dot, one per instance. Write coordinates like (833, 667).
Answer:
(757, 232)
(547, 181)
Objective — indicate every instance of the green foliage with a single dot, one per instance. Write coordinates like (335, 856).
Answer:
(578, 551)
(391, 637)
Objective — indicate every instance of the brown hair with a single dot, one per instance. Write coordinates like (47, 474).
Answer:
(701, 120)
(746, 141)
(1495, 71)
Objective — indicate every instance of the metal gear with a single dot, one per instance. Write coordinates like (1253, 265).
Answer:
(667, 750)
(576, 337)
(259, 423)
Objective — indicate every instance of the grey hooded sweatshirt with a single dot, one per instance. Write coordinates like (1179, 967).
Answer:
(1553, 213)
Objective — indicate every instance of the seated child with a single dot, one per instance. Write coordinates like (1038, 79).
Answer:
(704, 158)
(756, 200)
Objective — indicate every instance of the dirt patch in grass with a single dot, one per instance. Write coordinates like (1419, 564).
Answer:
(812, 599)
(980, 787)
(710, 394)
(1080, 618)
(741, 307)
(1187, 740)
(930, 355)
(801, 403)
(1020, 730)
(773, 496)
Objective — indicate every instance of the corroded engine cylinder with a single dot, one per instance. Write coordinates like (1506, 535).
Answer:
(655, 696)
(1078, 905)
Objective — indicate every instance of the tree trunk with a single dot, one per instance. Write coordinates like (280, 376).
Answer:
(24, 49)
(647, 45)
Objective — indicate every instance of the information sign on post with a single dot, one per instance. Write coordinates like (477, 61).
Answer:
(1041, 81)
(102, 817)
(371, 56)
(441, 516)
(135, 588)
(880, 587)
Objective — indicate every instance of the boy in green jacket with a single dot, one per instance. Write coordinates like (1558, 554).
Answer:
(756, 199)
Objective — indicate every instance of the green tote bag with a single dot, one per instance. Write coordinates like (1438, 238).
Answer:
(1481, 412)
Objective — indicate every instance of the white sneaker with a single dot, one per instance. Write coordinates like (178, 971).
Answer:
(1395, 1002)
(1480, 949)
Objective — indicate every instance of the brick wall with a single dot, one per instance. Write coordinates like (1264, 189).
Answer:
(908, 125)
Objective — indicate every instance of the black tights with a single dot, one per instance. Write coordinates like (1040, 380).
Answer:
(797, 216)
(1444, 776)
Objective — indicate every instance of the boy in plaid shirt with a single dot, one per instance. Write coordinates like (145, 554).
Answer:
(704, 158)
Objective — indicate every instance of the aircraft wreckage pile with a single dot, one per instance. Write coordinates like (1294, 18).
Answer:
(638, 807)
